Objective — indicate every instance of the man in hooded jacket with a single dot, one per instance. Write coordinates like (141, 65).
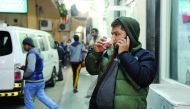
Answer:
(136, 68)
(76, 59)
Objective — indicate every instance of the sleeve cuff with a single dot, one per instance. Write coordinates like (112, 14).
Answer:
(96, 54)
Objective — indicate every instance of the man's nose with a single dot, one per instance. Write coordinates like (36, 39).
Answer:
(113, 38)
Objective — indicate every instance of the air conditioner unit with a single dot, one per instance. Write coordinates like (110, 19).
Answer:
(64, 27)
(45, 25)
(64, 24)
(168, 96)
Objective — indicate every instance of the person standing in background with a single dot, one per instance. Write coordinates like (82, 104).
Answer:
(62, 45)
(63, 57)
(94, 38)
(92, 42)
(60, 54)
(76, 59)
(67, 52)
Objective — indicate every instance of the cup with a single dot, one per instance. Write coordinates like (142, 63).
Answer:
(107, 44)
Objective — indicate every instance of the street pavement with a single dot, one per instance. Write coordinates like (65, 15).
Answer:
(76, 101)
(62, 93)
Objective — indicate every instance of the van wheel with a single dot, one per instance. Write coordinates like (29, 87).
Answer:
(53, 78)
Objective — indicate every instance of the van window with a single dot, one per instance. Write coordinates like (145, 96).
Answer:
(42, 48)
(22, 36)
(52, 43)
(45, 43)
(5, 43)
(35, 42)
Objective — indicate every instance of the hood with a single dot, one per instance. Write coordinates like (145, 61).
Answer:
(75, 43)
(132, 29)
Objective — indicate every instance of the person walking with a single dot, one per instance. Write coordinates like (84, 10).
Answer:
(125, 69)
(76, 54)
(33, 76)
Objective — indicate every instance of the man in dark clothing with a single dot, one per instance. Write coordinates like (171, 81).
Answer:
(33, 76)
(62, 45)
(135, 70)
(61, 54)
(59, 50)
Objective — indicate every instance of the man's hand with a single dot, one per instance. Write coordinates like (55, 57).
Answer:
(123, 45)
(99, 45)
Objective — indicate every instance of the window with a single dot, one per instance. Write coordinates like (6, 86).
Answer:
(22, 36)
(42, 47)
(45, 43)
(180, 41)
(52, 44)
(35, 43)
(5, 43)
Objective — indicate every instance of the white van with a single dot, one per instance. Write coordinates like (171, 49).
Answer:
(12, 56)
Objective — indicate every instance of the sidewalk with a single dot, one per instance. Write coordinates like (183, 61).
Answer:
(70, 100)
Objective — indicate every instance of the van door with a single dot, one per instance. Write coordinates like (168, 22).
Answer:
(6, 61)
(53, 53)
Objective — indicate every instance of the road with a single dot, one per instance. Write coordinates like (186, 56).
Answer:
(61, 94)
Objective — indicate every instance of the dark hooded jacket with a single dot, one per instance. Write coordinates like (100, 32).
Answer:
(135, 73)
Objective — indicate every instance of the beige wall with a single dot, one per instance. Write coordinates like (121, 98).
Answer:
(32, 19)
(9, 19)
(74, 25)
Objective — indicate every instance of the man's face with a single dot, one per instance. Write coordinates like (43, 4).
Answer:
(94, 33)
(117, 34)
(26, 47)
